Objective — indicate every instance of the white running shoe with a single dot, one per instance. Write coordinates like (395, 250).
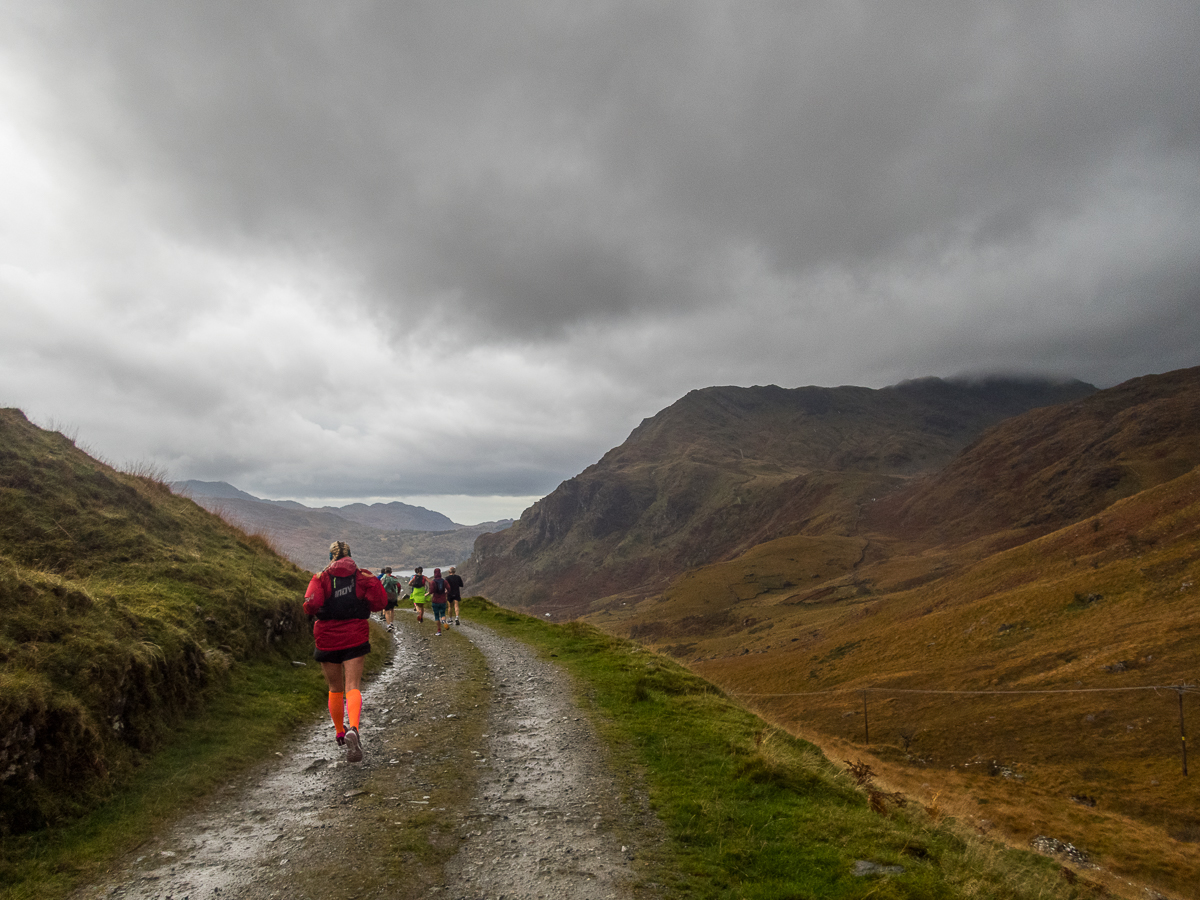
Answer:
(353, 746)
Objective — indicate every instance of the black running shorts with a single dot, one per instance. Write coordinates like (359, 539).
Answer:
(340, 656)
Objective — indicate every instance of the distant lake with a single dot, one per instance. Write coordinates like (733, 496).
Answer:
(406, 574)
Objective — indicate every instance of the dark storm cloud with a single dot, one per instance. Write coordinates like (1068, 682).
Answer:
(598, 206)
(540, 165)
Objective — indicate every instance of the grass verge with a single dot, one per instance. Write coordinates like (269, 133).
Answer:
(262, 701)
(752, 812)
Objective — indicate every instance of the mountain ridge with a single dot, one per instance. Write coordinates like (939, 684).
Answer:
(303, 533)
(1056, 465)
(725, 468)
(392, 516)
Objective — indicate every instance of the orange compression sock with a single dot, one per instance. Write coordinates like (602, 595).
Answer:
(336, 707)
(354, 707)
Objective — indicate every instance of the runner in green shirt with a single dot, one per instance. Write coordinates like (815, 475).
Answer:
(419, 584)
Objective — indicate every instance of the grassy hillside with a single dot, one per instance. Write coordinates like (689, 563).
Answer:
(1108, 603)
(120, 603)
(1015, 569)
(726, 468)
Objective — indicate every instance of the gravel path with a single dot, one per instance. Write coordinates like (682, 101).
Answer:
(548, 804)
(481, 779)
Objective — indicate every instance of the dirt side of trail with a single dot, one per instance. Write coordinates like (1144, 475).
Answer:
(481, 779)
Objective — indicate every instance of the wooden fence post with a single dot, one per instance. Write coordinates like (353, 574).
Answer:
(866, 722)
(1182, 729)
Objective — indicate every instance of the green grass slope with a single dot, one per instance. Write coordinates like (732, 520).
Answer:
(120, 604)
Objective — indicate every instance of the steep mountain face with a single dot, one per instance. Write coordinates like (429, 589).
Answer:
(1048, 468)
(726, 468)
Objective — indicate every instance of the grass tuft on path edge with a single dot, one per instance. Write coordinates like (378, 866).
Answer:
(749, 810)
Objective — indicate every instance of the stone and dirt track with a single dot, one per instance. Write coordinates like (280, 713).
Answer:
(482, 778)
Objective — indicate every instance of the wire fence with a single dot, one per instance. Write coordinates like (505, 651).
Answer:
(1178, 689)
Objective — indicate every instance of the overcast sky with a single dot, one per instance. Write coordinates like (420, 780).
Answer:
(451, 253)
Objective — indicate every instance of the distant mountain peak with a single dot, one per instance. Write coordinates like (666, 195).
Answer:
(216, 490)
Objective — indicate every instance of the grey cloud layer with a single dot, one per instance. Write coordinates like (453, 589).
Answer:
(618, 202)
(536, 165)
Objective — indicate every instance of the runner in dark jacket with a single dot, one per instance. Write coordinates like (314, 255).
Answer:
(342, 597)
(455, 584)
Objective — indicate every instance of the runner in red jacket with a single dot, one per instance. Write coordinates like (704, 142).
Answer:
(342, 598)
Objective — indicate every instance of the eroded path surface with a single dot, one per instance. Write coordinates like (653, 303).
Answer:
(481, 779)
(548, 805)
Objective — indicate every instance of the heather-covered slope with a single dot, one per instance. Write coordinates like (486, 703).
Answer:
(119, 604)
(727, 468)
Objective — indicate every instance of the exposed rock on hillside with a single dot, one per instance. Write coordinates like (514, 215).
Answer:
(726, 468)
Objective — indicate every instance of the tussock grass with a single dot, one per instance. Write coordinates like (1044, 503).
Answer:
(123, 608)
(751, 811)
(224, 735)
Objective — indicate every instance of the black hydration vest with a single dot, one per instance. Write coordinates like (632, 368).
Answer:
(343, 601)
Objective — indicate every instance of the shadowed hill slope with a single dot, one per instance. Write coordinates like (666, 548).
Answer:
(1054, 466)
(726, 468)
(119, 604)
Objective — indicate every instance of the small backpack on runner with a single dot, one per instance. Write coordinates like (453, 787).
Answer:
(343, 601)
